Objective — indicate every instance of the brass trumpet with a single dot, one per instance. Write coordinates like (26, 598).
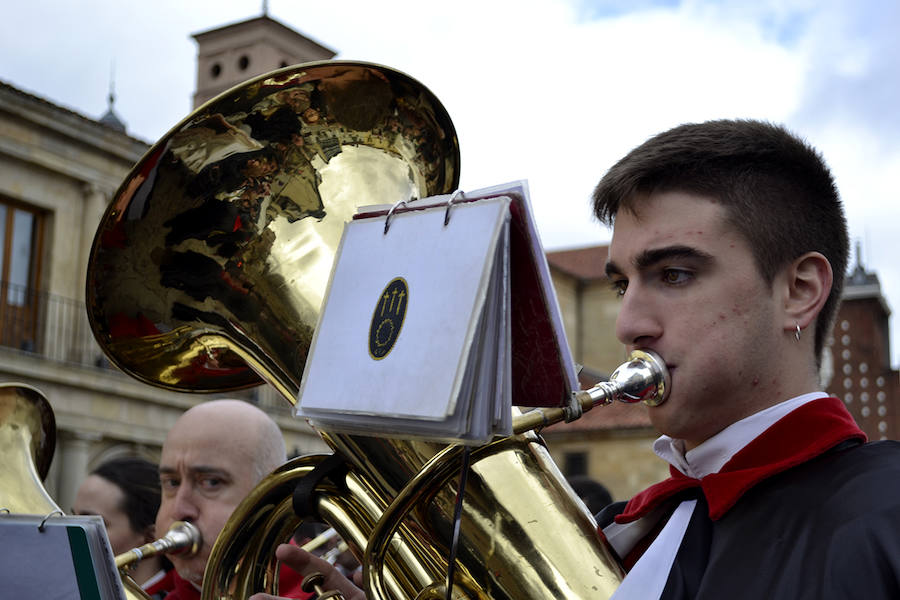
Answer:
(183, 537)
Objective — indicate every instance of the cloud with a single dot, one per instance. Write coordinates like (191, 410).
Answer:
(854, 59)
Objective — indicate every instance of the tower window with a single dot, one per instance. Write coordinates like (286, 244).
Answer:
(244, 62)
(215, 70)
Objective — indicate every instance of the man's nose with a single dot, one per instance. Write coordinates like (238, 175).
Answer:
(185, 504)
(638, 322)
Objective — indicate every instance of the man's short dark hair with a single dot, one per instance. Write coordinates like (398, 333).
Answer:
(776, 190)
(138, 479)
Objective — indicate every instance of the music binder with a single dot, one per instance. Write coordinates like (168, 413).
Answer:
(69, 556)
(439, 316)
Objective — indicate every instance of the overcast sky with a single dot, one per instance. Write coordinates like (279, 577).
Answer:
(549, 91)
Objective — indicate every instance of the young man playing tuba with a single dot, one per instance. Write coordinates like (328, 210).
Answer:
(729, 250)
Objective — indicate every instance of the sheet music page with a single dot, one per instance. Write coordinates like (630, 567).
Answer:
(502, 375)
(446, 272)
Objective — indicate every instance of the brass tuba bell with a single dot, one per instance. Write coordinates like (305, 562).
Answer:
(207, 274)
(27, 443)
(208, 269)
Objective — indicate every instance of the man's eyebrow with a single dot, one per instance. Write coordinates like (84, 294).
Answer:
(650, 257)
(612, 269)
(196, 470)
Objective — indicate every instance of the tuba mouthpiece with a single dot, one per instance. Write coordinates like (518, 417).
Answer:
(643, 378)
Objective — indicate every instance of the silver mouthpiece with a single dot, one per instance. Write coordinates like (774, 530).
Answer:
(182, 538)
(644, 378)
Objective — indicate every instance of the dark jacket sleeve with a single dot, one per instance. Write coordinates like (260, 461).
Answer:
(607, 514)
(863, 561)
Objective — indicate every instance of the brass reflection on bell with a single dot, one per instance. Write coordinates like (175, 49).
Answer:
(212, 260)
(27, 443)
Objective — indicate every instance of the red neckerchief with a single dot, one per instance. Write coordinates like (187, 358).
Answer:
(799, 436)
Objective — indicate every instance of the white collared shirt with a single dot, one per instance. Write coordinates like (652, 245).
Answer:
(154, 579)
(647, 578)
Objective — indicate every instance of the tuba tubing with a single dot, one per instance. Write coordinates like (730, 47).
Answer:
(643, 378)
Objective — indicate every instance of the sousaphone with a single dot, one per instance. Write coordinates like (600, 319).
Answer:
(207, 274)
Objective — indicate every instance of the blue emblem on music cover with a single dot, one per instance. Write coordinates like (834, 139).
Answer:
(387, 320)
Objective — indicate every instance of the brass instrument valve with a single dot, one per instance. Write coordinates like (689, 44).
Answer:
(313, 583)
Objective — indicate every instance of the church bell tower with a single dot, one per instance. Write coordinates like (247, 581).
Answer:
(231, 54)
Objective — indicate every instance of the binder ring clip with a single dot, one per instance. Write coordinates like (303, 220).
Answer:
(5, 511)
(387, 220)
(55, 512)
(456, 195)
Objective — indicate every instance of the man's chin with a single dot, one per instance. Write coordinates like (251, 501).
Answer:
(661, 416)
(189, 570)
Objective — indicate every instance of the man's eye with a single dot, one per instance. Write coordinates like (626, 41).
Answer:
(168, 483)
(619, 286)
(211, 483)
(676, 276)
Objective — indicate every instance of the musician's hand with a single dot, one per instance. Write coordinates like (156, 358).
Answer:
(304, 563)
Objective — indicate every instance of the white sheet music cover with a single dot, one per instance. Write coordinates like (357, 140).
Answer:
(402, 312)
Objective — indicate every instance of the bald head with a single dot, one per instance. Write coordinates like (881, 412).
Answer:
(242, 426)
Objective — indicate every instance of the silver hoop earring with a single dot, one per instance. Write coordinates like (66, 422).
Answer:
(797, 332)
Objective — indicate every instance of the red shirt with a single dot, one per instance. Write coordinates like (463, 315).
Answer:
(288, 581)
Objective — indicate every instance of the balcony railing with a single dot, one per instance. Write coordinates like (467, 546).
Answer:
(57, 329)
(46, 324)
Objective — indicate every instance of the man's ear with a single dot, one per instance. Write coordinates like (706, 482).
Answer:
(807, 286)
